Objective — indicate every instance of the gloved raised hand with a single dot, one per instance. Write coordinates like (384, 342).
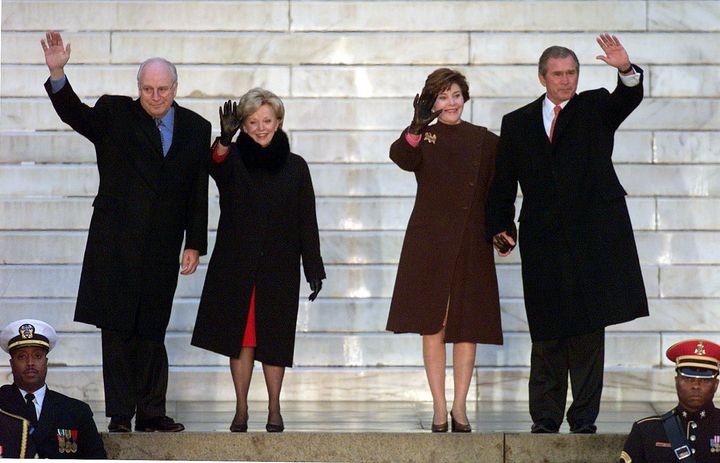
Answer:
(315, 286)
(424, 114)
(229, 122)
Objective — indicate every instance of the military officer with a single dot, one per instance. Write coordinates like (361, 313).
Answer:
(691, 431)
(60, 426)
(15, 436)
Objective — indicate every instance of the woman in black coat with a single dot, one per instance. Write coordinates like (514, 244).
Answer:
(249, 303)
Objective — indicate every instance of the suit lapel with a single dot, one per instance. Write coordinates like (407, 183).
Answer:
(180, 135)
(148, 158)
(43, 430)
(536, 127)
(564, 118)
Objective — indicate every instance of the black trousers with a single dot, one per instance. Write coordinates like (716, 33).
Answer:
(135, 376)
(583, 357)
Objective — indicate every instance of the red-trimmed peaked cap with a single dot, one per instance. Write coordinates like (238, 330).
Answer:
(696, 358)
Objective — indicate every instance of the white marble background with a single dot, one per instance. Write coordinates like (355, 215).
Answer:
(347, 71)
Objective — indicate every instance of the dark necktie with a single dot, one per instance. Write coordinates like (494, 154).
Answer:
(557, 110)
(160, 124)
(30, 413)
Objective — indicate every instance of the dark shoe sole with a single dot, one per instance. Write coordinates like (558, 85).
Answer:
(274, 427)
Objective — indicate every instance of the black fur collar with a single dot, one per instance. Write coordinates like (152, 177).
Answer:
(272, 157)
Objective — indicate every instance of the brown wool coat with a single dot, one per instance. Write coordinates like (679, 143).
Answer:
(445, 255)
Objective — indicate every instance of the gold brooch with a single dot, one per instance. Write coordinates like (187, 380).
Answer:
(430, 137)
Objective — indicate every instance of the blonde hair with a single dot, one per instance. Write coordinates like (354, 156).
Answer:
(256, 97)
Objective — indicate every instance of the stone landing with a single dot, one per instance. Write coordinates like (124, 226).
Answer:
(367, 447)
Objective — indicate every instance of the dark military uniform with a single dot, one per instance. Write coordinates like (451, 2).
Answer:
(648, 441)
(15, 436)
(65, 428)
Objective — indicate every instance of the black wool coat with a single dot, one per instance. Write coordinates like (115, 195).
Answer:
(63, 416)
(580, 265)
(146, 204)
(267, 223)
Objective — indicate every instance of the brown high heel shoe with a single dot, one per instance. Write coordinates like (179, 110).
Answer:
(238, 425)
(459, 427)
(442, 427)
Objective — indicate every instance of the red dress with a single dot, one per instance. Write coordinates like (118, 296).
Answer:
(249, 339)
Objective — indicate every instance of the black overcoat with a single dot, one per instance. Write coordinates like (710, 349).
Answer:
(580, 266)
(63, 416)
(267, 223)
(146, 204)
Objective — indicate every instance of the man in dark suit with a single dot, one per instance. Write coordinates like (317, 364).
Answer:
(60, 426)
(151, 156)
(580, 266)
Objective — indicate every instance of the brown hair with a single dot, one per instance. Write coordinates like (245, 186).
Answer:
(556, 51)
(442, 79)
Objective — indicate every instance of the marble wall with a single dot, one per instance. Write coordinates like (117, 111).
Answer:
(347, 71)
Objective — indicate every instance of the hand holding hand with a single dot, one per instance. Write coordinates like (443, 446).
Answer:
(229, 122)
(56, 55)
(504, 244)
(315, 287)
(615, 54)
(424, 114)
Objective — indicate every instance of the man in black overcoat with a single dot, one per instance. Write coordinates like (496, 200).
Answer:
(151, 157)
(580, 266)
(59, 426)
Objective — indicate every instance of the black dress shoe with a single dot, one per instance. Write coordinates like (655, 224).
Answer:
(585, 429)
(161, 424)
(273, 427)
(539, 428)
(118, 424)
(238, 425)
(459, 427)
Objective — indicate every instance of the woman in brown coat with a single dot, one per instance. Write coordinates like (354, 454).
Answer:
(249, 304)
(446, 287)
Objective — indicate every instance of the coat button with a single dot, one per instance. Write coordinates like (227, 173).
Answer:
(692, 438)
(471, 183)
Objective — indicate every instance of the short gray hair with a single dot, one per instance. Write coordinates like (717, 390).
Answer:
(555, 51)
(256, 97)
(171, 67)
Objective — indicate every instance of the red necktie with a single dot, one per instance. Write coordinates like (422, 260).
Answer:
(557, 109)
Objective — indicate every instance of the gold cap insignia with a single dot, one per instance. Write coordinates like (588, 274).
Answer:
(700, 349)
(27, 331)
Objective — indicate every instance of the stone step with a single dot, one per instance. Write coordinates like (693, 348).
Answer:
(344, 281)
(368, 213)
(356, 16)
(360, 247)
(377, 350)
(642, 384)
(360, 180)
(366, 48)
(369, 315)
(371, 447)
(363, 146)
(221, 81)
(388, 113)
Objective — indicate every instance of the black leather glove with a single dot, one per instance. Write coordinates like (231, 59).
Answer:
(315, 286)
(424, 114)
(229, 122)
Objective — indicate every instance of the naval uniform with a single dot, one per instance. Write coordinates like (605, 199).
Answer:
(15, 436)
(648, 441)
